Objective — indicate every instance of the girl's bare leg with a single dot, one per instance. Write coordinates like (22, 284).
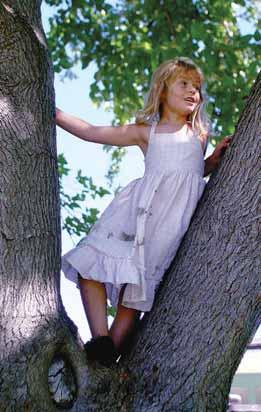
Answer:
(123, 323)
(94, 300)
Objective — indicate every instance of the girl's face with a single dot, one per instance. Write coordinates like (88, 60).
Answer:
(183, 94)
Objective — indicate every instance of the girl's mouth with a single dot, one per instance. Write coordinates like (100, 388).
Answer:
(190, 100)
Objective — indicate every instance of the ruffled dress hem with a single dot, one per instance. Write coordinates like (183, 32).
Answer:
(113, 271)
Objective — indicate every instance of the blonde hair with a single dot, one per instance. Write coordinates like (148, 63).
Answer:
(167, 72)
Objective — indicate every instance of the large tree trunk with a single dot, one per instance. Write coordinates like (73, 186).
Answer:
(33, 323)
(207, 309)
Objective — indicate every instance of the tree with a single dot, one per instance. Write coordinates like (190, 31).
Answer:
(206, 310)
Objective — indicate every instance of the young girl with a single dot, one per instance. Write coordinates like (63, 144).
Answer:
(124, 256)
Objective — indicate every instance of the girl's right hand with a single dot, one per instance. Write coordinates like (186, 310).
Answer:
(220, 149)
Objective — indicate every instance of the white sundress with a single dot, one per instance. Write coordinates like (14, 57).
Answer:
(138, 234)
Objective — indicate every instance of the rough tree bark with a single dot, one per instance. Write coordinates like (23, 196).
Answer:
(207, 309)
(34, 326)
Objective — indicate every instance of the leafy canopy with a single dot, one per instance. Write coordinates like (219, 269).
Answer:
(129, 39)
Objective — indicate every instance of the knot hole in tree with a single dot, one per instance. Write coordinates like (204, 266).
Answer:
(62, 382)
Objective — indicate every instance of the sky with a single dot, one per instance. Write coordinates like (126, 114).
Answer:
(73, 96)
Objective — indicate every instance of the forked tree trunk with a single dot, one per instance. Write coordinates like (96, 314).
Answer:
(209, 304)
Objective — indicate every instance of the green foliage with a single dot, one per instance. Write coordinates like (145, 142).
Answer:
(116, 157)
(128, 41)
(111, 311)
(77, 218)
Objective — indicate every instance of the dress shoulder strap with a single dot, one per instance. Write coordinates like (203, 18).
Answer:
(152, 129)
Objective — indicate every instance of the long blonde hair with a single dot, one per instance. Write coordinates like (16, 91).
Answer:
(153, 107)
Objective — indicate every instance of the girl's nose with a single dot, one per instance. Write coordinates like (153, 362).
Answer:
(192, 88)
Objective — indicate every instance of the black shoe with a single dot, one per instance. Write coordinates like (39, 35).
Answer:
(101, 349)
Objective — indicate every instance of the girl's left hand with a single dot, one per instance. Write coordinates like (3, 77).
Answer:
(220, 149)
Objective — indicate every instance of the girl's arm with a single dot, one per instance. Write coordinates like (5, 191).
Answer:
(127, 135)
(212, 162)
